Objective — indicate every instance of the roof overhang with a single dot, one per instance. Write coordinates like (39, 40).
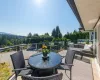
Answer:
(81, 29)
(87, 12)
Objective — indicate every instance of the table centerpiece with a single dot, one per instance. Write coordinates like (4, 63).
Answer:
(45, 52)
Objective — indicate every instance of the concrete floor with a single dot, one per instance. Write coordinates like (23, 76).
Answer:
(81, 70)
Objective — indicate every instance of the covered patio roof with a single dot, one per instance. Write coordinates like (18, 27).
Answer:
(87, 12)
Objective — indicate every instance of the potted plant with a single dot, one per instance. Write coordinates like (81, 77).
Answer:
(45, 51)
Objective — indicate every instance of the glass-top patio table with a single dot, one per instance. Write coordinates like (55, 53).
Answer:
(36, 61)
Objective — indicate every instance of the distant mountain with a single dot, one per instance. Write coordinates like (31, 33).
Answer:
(9, 34)
(5, 33)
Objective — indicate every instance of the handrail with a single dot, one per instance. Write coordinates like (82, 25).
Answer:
(11, 47)
(12, 77)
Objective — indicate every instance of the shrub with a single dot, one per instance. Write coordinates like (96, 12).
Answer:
(7, 49)
(5, 71)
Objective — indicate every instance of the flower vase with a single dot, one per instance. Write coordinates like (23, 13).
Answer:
(45, 57)
(44, 54)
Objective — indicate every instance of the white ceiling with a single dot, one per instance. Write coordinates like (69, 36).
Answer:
(89, 11)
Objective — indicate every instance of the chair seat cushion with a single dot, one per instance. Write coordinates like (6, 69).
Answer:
(25, 72)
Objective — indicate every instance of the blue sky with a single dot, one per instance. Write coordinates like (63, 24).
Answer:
(36, 16)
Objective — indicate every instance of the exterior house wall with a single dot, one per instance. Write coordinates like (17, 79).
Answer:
(98, 45)
(96, 41)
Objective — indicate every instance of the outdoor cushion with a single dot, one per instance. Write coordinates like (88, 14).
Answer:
(87, 47)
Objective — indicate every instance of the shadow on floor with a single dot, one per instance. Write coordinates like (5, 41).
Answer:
(84, 59)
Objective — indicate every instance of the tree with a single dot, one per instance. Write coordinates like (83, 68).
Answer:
(58, 33)
(46, 34)
(36, 35)
(9, 40)
(8, 43)
(75, 35)
(30, 35)
(54, 33)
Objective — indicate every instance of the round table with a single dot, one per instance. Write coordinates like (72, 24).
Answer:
(36, 61)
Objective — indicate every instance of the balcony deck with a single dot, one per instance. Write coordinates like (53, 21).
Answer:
(82, 69)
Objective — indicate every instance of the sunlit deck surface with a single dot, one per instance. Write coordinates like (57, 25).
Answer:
(81, 70)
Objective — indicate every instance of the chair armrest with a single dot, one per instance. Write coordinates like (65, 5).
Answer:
(70, 64)
(25, 59)
(19, 69)
(28, 67)
(62, 57)
(62, 63)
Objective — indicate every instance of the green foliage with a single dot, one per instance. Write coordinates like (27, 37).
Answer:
(25, 47)
(7, 50)
(39, 38)
(74, 36)
(29, 35)
(10, 40)
(87, 42)
(46, 34)
(9, 43)
(56, 33)
(60, 39)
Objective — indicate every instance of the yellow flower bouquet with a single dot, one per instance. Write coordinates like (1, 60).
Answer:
(45, 50)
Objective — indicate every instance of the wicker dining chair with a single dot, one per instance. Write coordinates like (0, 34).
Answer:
(68, 62)
(19, 64)
(52, 77)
